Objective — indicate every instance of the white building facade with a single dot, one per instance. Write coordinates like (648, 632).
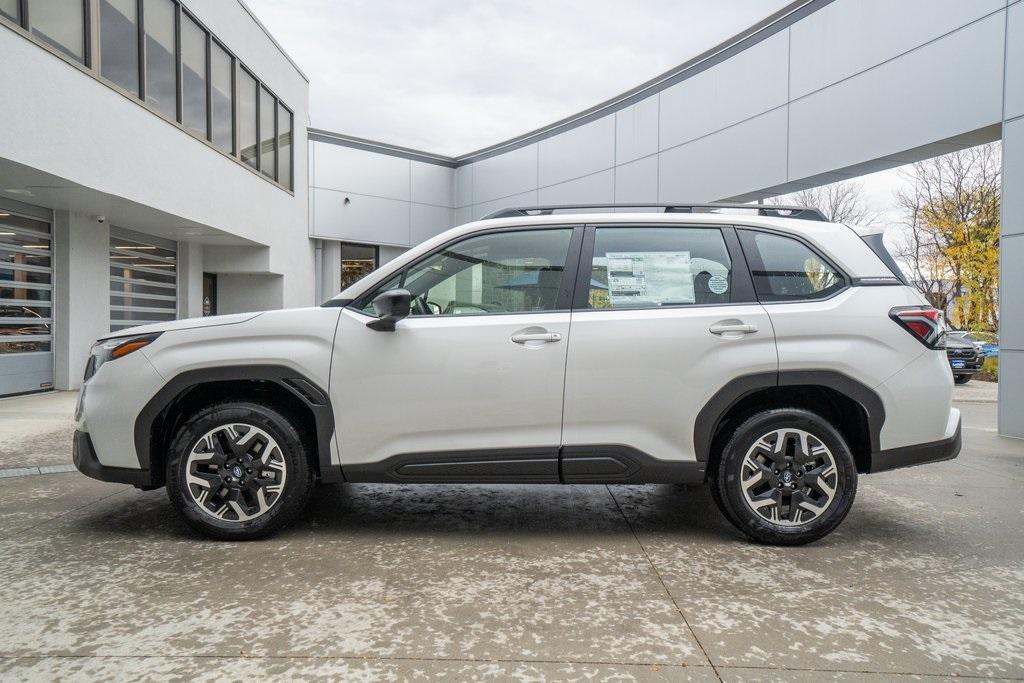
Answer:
(821, 91)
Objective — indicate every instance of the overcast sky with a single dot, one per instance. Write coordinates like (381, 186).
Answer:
(451, 77)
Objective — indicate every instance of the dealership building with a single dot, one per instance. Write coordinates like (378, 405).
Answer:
(157, 160)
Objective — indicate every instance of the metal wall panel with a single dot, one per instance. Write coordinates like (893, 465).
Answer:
(746, 85)
(849, 36)
(372, 220)
(464, 186)
(636, 130)
(902, 104)
(596, 188)
(522, 199)
(747, 156)
(505, 175)
(578, 152)
(637, 181)
(427, 221)
(1015, 62)
(432, 184)
(355, 170)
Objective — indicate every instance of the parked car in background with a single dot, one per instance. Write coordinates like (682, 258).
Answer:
(965, 359)
(964, 335)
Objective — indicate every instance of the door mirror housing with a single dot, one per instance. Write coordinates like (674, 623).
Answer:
(390, 307)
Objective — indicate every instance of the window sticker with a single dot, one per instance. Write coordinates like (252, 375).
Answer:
(649, 278)
(718, 284)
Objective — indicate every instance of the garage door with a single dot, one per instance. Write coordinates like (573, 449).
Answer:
(143, 279)
(26, 304)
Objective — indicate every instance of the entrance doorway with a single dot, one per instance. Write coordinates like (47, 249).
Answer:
(209, 294)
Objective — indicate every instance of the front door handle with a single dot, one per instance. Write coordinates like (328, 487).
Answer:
(727, 327)
(523, 337)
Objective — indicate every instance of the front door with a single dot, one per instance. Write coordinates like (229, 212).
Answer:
(469, 386)
(666, 318)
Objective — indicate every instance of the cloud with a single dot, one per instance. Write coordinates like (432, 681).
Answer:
(450, 77)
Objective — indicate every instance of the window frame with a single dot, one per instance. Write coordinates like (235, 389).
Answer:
(90, 65)
(566, 288)
(752, 257)
(741, 283)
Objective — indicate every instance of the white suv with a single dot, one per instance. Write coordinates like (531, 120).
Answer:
(769, 353)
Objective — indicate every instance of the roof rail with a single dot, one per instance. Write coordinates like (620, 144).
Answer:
(775, 211)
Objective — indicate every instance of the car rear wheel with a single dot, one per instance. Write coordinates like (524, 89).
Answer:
(785, 477)
(238, 471)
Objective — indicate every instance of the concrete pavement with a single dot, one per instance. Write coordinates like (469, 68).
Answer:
(924, 578)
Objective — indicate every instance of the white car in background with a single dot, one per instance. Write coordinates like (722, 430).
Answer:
(771, 354)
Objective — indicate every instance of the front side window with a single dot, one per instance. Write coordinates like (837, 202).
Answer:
(60, 24)
(119, 43)
(161, 57)
(647, 267)
(785, 269)
(506, 272)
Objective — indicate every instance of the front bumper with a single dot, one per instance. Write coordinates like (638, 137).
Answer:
(918, 454)
(84, 456)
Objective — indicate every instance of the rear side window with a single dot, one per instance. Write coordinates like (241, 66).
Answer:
(785, 269)
(647, 267)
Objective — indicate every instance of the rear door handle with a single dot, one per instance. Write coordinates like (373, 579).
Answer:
(725, 328)
(523, 337)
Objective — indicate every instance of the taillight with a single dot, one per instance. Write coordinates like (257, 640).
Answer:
(923, 322)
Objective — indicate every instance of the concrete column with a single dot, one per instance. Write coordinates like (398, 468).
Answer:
(81, 293)
(190, 280)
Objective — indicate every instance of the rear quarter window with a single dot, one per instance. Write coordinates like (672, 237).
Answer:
(786, 269)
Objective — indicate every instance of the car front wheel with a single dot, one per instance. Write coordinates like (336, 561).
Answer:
(238, 471)
(785, 477)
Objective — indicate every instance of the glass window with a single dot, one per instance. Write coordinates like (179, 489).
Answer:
(645, 267)
(222, 98)
(60, 23)
(161, 59)
(143, 281)
(784, 269)
(247, 94)
(26, 285)
(119, 43)
(507, 272)
(268, 156)
(11, 9)
(357, 261)
(284, 146)
(193, 76)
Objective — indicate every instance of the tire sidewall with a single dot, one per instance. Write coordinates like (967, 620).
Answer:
(298, 480)
(730, 492)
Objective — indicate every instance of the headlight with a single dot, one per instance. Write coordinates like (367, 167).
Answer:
(112, 349)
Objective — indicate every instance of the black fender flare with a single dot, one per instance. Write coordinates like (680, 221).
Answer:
(710, 416)
(287, 378)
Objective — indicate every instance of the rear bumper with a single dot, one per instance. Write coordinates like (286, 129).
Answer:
(84, 456)
(918, 454)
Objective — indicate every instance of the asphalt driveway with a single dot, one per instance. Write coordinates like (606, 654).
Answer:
(925, 577)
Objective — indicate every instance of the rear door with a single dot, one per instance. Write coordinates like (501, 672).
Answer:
(663, 318)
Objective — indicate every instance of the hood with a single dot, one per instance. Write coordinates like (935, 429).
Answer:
(186, 324)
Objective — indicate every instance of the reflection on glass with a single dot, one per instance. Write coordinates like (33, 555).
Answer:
(143, 281)
(221, 66)
(247, 95)
(61, 24)
(26, 313)
(193, 76)
(268, 156)
(357, 261)
(284, 146)
(161, 61)
(11, 9)
(119, 43)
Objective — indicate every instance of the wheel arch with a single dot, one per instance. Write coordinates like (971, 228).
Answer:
(854, 408)
(278, 385)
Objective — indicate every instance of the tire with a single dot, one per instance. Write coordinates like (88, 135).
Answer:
(210, 481)
(961, 379)
(795, 481)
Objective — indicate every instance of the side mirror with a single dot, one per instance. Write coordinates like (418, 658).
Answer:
(390, 307)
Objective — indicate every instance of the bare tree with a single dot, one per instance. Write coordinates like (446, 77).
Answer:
(842, 202)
